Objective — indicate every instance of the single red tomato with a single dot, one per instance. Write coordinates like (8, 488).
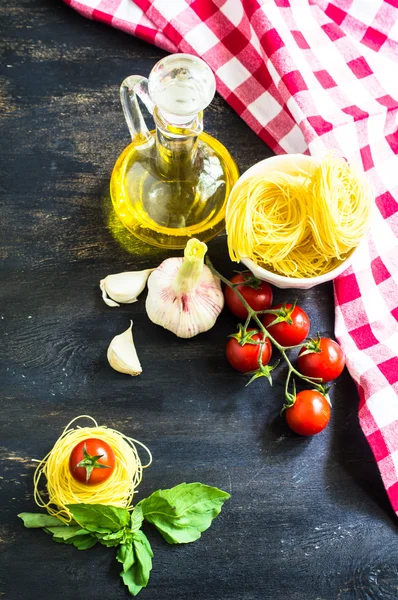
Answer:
(245, 358)
(257, 294)
(92, 461)
(322, 358)
(284, 333)
(309, 414)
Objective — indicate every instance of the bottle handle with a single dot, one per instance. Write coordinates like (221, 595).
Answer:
(134, 86)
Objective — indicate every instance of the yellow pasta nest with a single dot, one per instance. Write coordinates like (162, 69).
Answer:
(300, 224)
(63, 489)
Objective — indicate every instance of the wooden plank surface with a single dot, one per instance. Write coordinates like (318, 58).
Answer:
(308, 519)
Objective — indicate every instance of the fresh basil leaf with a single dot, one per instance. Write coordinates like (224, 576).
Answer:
(144, 555)
(129, 574)
(72, 534)
(125, 554)
(124, 535)
(99, 518)
(183, 512)
(67, 531)
(137, 518)
(35, 520)
(137, 562)
(129, 579)
(111, 539)
(81, 542)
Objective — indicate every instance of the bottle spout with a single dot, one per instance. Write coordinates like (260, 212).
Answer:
(176, 126)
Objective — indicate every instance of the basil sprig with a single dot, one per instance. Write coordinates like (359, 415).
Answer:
(180, 514)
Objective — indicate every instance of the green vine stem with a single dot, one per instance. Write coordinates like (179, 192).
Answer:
(254, 315)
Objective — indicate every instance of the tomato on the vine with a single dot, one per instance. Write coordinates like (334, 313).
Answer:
(322, 358)
(288, 334)
(258, 294)
(309, 414)
(91, 461)
(245, 358)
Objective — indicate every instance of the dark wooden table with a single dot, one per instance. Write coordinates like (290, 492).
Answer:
(308, 518)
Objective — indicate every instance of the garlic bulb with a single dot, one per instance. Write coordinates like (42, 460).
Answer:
(123, 287)
(122, 355)
(183, 294)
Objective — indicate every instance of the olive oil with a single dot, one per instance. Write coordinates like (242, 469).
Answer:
(172, 183)
(166, 207)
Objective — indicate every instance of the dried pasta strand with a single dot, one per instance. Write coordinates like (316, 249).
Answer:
(299, 224)
(63, 489)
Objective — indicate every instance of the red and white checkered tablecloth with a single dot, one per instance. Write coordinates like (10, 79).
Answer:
(307, 75)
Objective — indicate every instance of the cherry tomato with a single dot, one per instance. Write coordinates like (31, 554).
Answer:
(326, 364)
(92, 461)
(258, 297)
(309, 414)
(245, 358)
(284, 333)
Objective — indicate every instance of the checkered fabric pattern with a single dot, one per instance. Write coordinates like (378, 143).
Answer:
(307, 75)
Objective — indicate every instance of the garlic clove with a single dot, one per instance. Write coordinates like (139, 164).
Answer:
(122, 355)
(123, 287)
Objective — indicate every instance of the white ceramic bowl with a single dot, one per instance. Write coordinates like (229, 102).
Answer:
(288, 163)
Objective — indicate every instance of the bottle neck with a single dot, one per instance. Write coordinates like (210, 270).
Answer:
(176, 144)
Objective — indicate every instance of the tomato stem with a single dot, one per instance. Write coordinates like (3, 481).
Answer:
(254, 315)
(90, 462)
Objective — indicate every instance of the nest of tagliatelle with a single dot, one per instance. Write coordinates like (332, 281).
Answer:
(61, 488)
(297, 222)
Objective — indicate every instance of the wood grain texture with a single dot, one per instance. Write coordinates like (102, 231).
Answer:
(308, 519)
